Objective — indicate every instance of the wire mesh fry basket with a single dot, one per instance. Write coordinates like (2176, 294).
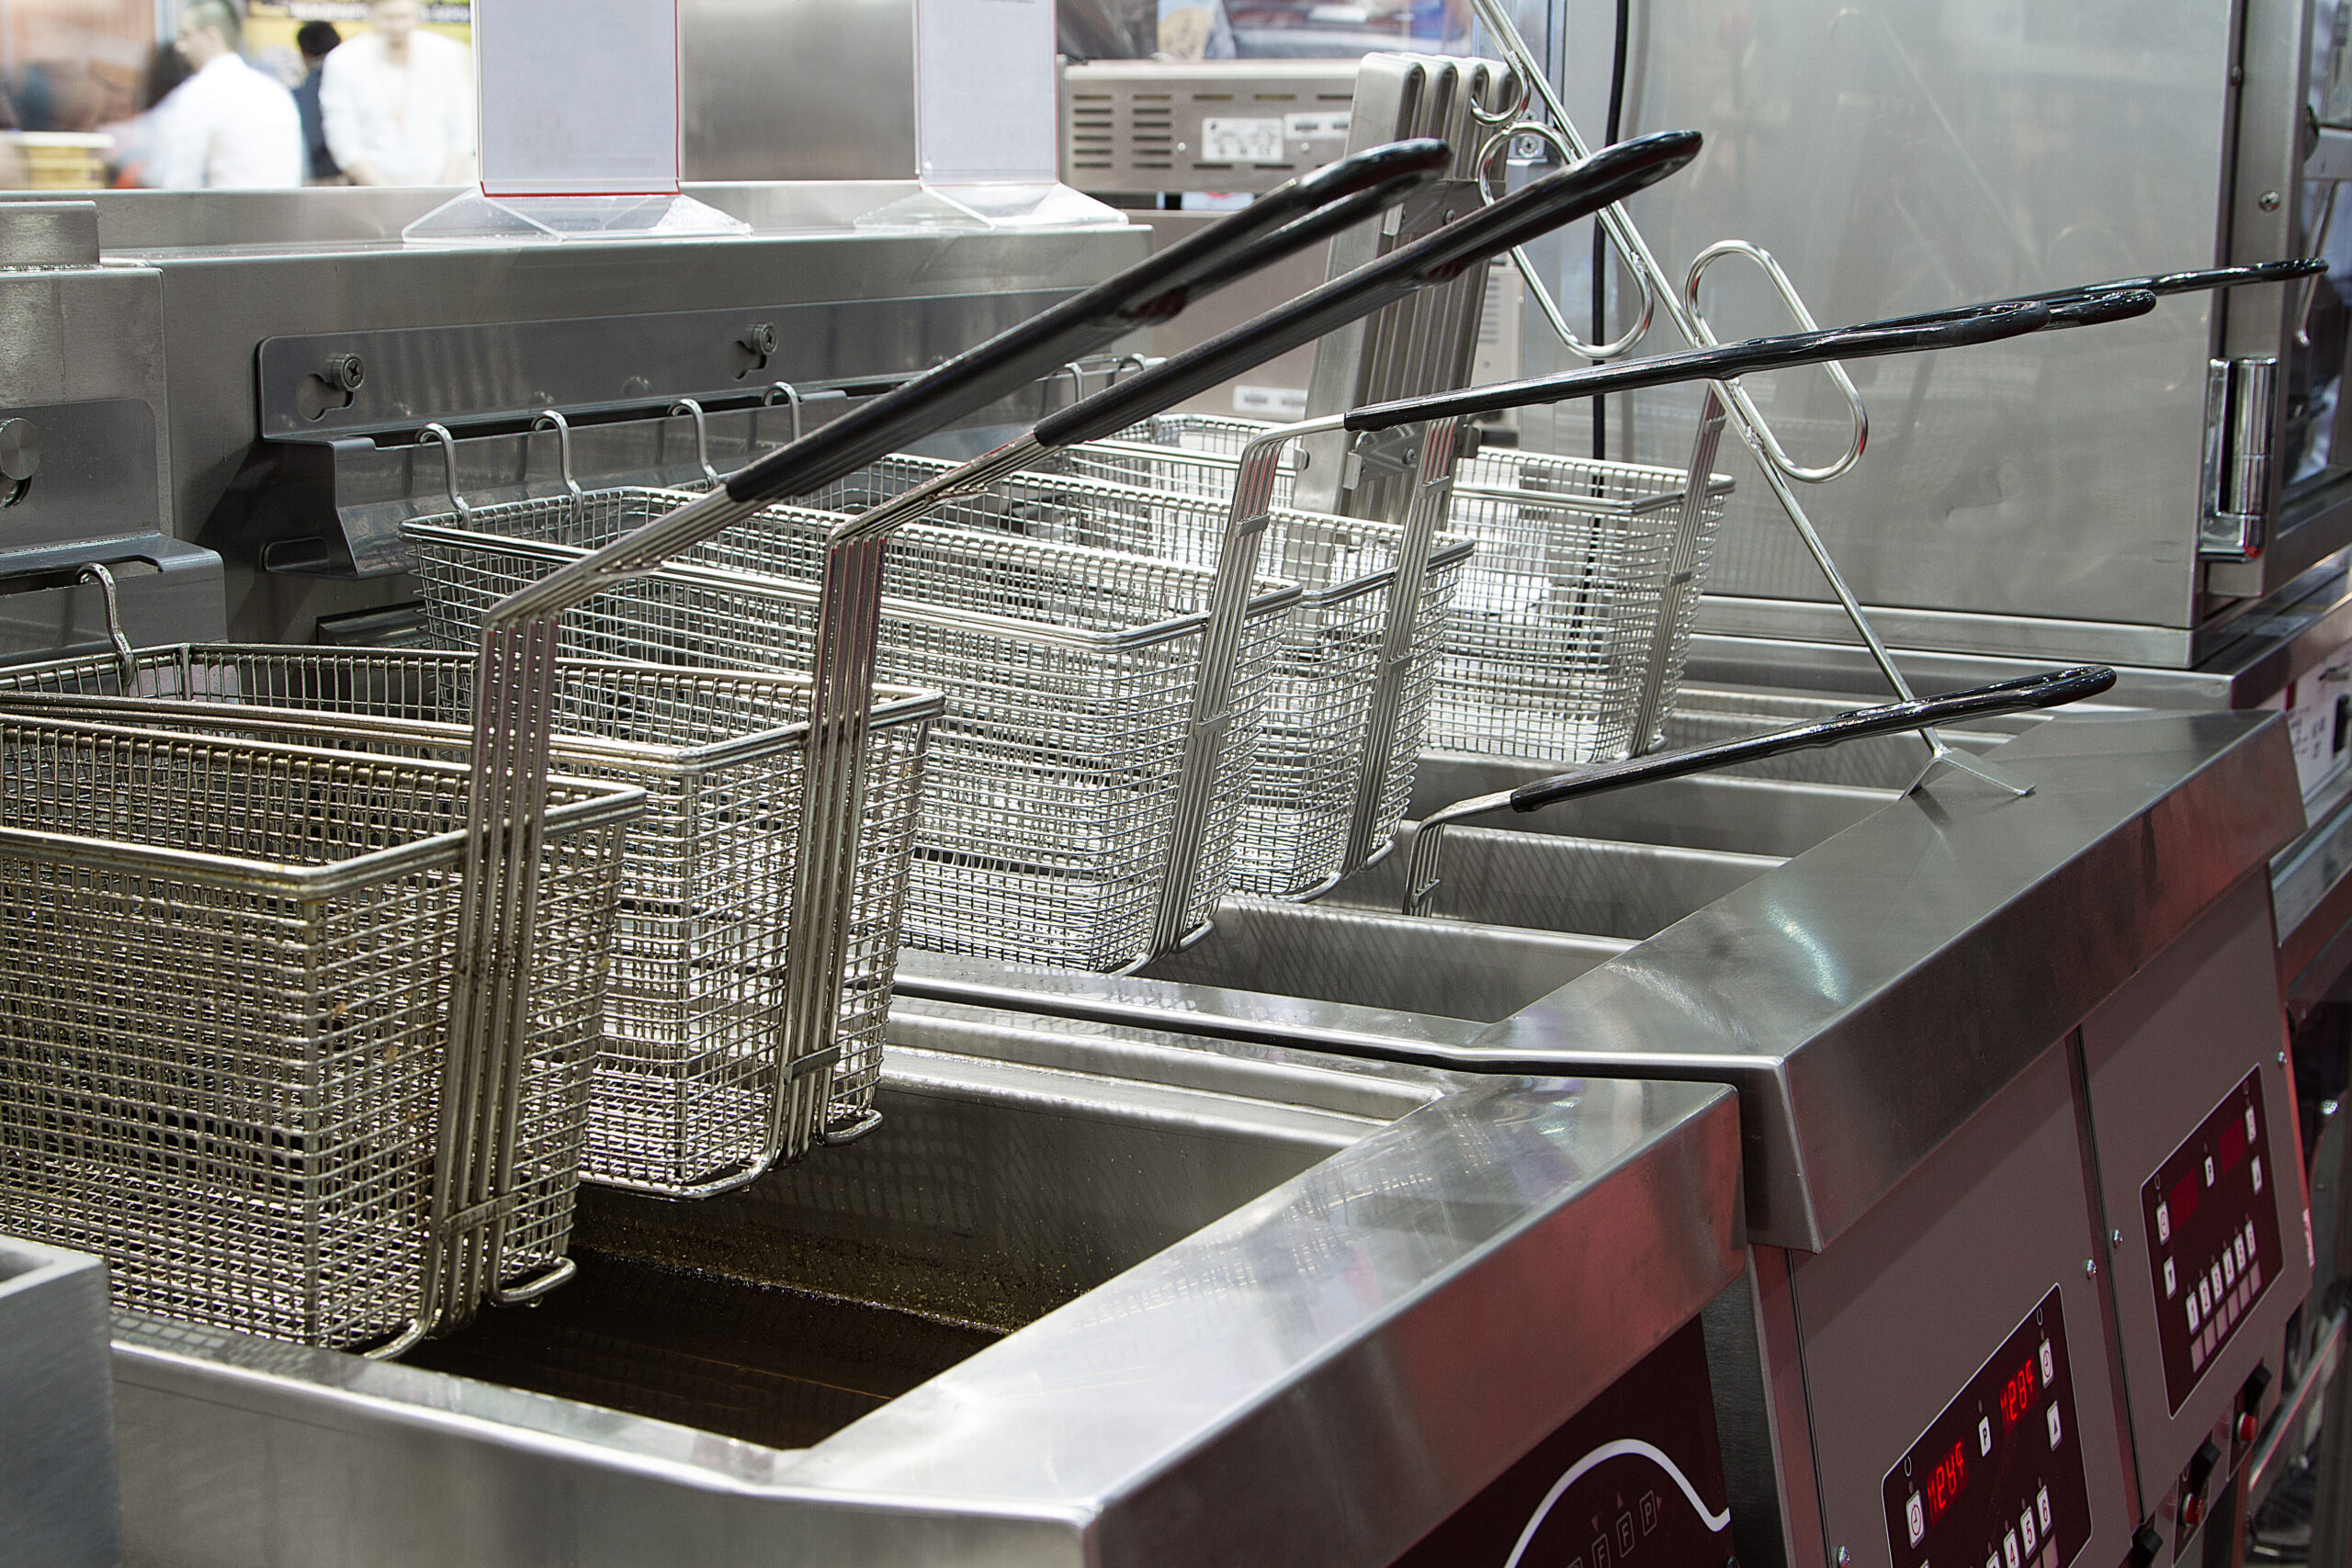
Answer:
(1554, 628)
(690, 1096)
(226, 978)
(1557, 625)
(1051, 817)
(1313, 753)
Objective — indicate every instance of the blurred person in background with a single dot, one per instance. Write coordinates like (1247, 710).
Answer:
(138, 141)
(398, 102)
(227, 126)
(316, 40)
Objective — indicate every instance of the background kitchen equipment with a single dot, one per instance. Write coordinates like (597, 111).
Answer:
(85, 447)
(688, 1095)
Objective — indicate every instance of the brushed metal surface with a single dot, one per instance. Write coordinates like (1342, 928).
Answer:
(49, 233)
(327, 266)
(1849, 994)
(1932, 1282)
(57, 1456)
(1915, 155)
(792, 90)
(2158, 1056)
(1846, 995)
(1375, 1335)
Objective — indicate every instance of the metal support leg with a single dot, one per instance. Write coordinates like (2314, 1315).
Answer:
(2331, 1458)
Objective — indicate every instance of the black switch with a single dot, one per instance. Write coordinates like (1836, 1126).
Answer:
(2145, 1544)
(2258, 1384)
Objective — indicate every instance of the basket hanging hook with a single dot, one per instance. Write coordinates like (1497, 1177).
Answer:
(689, 407)
(552, 419)
(440, 433)
(125, 661)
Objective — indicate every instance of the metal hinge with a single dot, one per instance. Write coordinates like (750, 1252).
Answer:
(2239, 398)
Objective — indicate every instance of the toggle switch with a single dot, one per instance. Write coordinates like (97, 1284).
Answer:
(2145, 1544)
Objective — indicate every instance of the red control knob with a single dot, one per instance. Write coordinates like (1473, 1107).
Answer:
(2248, 1426)
(2192, 1512)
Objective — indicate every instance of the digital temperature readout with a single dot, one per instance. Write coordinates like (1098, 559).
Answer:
(1997, 1478)
(2017, 1395)
(2212, 1226)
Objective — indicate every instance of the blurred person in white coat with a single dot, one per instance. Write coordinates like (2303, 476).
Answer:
(398, 102)
(228, 126)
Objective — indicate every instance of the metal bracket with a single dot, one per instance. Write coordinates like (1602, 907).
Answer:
(2240, 399)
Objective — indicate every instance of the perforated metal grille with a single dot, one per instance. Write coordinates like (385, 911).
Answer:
(1044, 829)
(224, 987)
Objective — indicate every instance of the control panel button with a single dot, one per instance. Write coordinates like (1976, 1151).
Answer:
(1981, 1485)
(2213, 1238)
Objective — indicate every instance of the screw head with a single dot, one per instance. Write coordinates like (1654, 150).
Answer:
(346, 373)
(760, 338)
(19, 448)
(2115, 1238)
(2090, 1268)
(2267, 201)
(1844, 1558)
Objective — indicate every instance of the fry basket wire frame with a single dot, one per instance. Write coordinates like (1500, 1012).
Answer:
(1056, 814)
(1569, 631)
(228, 979)
(690, 1097)
(1322, 726)
(1681, 307)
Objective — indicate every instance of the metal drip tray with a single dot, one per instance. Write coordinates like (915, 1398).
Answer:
(1081, 1281)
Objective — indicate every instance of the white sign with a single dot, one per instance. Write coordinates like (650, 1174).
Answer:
(1241, 140)
(985, 92)
(579, 98)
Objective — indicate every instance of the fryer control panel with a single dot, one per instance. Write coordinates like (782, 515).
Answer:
(2213, 1238)
(1996, 1480)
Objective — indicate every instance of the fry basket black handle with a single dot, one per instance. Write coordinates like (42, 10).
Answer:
(2051, 689)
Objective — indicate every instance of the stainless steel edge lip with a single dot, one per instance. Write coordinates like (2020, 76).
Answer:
(1861, 1036)
(1343, 1325)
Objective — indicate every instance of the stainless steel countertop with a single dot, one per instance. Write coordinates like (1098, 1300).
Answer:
(1872, 993)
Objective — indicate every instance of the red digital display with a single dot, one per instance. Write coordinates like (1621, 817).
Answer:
(2016, 1396)
(1944, 1484)
(2181, 1202)
(2232, 1146)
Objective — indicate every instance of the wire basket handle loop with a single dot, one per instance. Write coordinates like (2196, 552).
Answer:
(1787, 289)
(1536, 289)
